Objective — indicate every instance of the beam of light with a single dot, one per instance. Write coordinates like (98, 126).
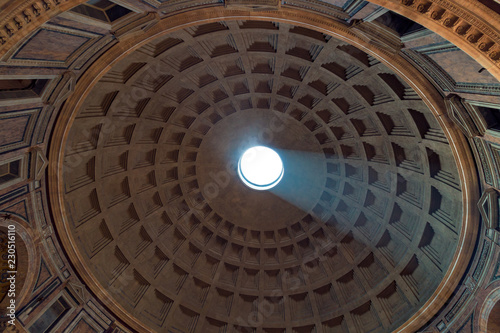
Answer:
(304, 179)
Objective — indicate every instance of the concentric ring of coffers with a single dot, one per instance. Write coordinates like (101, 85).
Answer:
(373, 245)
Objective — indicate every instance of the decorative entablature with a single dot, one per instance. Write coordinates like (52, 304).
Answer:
(468, 117)
(253, 4)
(178, 6)
(21, 18)
(472, 27)
(317, 6)
(464, 24)
(472, 118)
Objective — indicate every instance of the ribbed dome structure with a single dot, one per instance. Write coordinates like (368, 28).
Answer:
(357, 235)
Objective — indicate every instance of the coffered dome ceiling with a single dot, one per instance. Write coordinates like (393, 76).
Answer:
(356, 237)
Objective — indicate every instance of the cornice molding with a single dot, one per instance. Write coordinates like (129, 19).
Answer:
(22, 18)
(470, 25)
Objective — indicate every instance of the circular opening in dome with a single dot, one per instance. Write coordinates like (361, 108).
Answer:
(260, 168)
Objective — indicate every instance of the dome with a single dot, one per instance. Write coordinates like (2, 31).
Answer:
(363, 224)
(131, 199)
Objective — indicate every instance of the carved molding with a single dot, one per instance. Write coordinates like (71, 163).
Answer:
(481, 147)
(488, 207)
(354, 6)
(253, 4)
(471, 26)
(320, 7)
(39, 163)
(443, 80)
(380, 35)
(464, 117)
(173, 7)
(80, 291)
(64, 88)
(136, 25)
(20, 19)
(459, 305)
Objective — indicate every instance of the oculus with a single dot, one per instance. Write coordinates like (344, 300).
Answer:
(260, 168)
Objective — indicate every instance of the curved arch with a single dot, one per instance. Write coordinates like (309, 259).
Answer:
(493, 319)
(489, 303)
(338, 30)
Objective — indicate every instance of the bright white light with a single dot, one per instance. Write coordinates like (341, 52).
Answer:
(260, 168)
